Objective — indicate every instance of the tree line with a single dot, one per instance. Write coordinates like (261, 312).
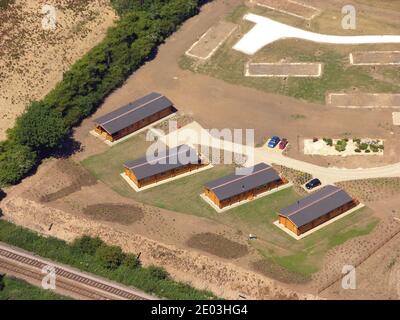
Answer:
(44, 126)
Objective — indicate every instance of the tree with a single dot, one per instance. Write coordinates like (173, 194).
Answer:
(110, 256)
(15, 162)
(87, 245)
(40, 127)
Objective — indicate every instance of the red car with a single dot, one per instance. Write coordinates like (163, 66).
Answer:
(283, 144)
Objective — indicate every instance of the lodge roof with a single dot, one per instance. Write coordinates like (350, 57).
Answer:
(235, 184)
(316, 205)
(164, 161)
(133, 112)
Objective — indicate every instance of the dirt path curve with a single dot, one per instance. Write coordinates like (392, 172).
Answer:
(329, 175)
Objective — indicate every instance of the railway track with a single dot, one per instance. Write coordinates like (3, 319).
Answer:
(84, 285)
(17, 271)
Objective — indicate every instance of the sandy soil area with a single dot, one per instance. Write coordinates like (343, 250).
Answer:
(283, 69)
(32, 60)
(364, 100)
(375, 58)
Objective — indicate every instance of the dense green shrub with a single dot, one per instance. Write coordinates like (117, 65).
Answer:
(40, 128)
(328, 141)
(111, 257)
(131, 261)
(363, 146)
(87, 245)
(15, 161)
(133, 40)
(341, 145)
(158, 273)
(374, 147)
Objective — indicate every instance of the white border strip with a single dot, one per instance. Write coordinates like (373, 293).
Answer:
(329, 101)
(340, 216)
(213, 50)
(396, 118)
(248, 74)
(156, 184)
(351, 58)
(237, 204)
(317, 11)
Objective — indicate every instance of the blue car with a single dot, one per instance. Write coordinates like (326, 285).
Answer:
(273, 142)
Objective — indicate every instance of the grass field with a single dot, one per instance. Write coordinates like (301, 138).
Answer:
(301, 257)
(228, 64)
(16, 289)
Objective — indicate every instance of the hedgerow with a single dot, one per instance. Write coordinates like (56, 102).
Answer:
(143, 26)
(95, 256)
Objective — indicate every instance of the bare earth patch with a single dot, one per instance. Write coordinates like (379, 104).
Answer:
(209, 42)
(124, 214)
(294, 8)
(375, 58)
(282, 69)
(217, 245)
(32, 60)
(76, 177)
(364, 100)
(373, 189)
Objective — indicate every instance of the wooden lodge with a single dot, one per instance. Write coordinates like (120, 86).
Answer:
(134, 116)
(238, 187)
(173, 162)
(316, 209)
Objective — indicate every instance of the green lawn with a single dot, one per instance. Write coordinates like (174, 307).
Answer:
(228, 64)
(16, 289)
(182, 195)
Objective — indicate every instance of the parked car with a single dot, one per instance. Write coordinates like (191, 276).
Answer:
(313, 184)
(273, 142)
(283, 144)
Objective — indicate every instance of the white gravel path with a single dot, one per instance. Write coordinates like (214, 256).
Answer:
(267, 31)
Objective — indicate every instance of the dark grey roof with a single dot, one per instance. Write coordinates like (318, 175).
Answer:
(234, 184)
(316, 205)
(163, 162)
(133, 112)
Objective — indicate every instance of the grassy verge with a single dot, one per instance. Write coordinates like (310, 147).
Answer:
(146, 279)
(16, 289)
(338, 75)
